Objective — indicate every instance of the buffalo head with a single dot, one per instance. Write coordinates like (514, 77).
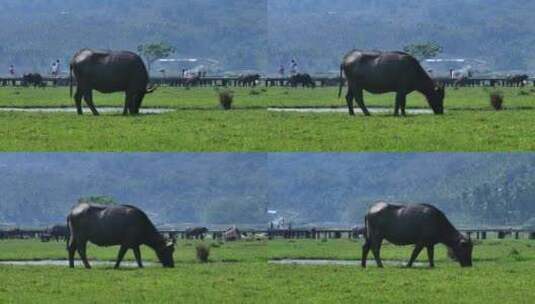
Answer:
(165, 254)
(436, 100)
(463, 252)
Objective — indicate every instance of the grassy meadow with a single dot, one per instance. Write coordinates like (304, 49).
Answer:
(240, 273)
(198, 124)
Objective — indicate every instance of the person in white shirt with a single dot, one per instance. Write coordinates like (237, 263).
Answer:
(55, 68)
(293, 67)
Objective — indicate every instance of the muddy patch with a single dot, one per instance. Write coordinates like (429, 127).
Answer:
(87, 111)
(313, 262)
(65, 263)
(372, 110)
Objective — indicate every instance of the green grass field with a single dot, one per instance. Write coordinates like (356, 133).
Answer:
(240, 273)
(199, 125)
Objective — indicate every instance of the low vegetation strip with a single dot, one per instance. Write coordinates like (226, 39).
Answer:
(199, 123)
(260, 130)
(240, 272)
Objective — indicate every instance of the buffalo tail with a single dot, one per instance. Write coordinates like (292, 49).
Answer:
(341, 81)
(366, 228)
(70, 80)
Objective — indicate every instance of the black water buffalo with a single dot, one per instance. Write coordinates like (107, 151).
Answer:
(305, 80)
(122, 225)
(59, 232)
(248, 80)
(107, 72)
(382, 72)
(419, 224)
(33, 79)
(516, 80)
(196, 232)
(357, 231)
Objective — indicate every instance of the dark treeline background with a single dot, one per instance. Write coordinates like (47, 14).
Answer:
(321, 189)
(261, 34)
(36, 32)
(319, 32)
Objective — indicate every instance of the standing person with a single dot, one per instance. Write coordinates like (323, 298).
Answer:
(55, 68)
(281, 71)
(293, 67)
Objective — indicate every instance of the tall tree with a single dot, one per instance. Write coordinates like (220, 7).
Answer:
(423, 51)
(101, 200)
(154, 51)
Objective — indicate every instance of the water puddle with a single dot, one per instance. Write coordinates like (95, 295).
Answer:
(65, 263)
(344, 110)
(86, 111)
(314, 262)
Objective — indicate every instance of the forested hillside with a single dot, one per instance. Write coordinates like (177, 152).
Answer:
(35, 32)
(40, 189)
(319, 32)
(474, 189)
(261, 34)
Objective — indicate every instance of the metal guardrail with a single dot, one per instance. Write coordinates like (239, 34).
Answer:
(298, 233)
(269, 82)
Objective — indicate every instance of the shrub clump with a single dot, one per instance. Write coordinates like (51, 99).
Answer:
(225, 99)
(496, 100)
(203, 252)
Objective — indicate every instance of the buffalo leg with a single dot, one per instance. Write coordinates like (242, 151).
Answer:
(360, 101)
(132, 104)
(136, 103)
(78, 101)
(88, 97)
(376, 250)
(125, 109)
(128, 100)
(81, 246)
(137, 254)
(415, 254)
(431, 255)
(397, 105)
(349, 100)
(120, 256)
(365, 250)
(402, 102)
(71, 248)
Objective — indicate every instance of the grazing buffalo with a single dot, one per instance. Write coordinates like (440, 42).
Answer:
(305, 80)
(382, 72)
(516, 80)
(420, 224)
(59, 232)
(122, 225)
(196, 232)
(33, 79)
(248, 80)
(107, 72)
(357, 231)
